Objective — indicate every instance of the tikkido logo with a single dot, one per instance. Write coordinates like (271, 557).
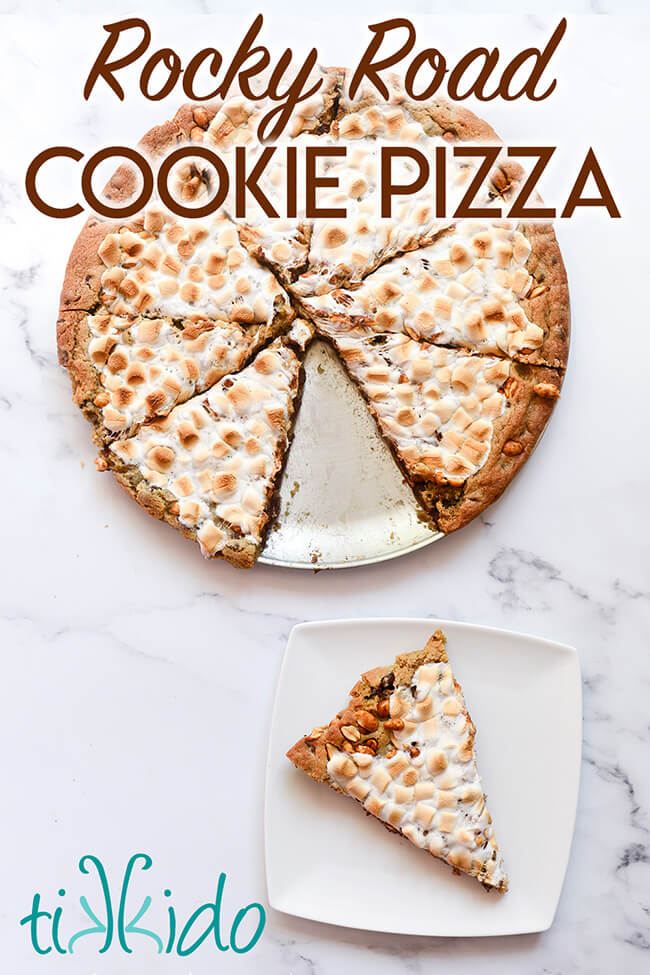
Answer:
(114, 925)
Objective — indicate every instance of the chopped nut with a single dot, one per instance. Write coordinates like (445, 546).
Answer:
(536, 292)
(366, 721)
(350, 732)
(364, 750)
(347, 746)
(314, 734)
(383, 708)
(512, 447)
(200, 116)
(546, 390)
(391, 752)
(394, 724)
(330, 749)
(100, 463)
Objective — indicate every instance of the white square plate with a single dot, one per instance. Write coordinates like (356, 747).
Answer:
(327, 861)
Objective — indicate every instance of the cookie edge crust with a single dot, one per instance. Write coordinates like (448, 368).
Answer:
(550, 310)
(523, 423)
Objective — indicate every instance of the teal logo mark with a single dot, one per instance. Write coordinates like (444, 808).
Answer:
(110, 928)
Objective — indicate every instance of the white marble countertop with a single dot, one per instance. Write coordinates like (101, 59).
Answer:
(139, 679)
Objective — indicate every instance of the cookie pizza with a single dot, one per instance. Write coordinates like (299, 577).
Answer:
(184, 337)
(403, 749)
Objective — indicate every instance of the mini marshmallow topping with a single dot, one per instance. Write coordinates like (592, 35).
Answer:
(193, 270)
(464, 290)
(404, 749)
(436, 405)
(217, 457)
(146, 366)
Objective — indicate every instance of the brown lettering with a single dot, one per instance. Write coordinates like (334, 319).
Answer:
(59, 213)
(189, 76)
(490, 59)
(128, 209)
(102, 68)
(293, 95)
(172, 62)
(441, 182)
(390, 189)
(490, 154)
(250, 182)
(590, 167)
(519, 210)
(367, 68)
(163, 185)
(439, 65)
(314, 182)
(541, 62)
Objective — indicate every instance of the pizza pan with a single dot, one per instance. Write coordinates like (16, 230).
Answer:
(343, 500)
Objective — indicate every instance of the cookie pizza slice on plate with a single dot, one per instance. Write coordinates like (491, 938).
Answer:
(211, 467)
(403, 747)
(460, 426)
(487, 287)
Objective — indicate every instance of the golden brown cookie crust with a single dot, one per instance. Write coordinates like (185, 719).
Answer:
(531, 393)
(548, 303)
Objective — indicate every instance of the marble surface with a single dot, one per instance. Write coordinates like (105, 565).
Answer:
(138, 679)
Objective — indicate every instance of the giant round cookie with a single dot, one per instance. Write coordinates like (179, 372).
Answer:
(184, 338)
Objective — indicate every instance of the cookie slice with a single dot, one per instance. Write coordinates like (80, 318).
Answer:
(210, 468)
(486, 286)
(126, 371)
(159, 267)
(280, 243)
(403, 747)
(459, 425)
(343, 251)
